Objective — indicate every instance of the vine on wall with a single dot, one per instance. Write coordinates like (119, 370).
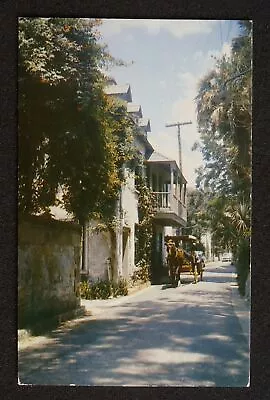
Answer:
(73, 139)
(144, 229)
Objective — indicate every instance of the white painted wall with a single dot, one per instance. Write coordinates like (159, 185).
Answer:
(130, 218)
(99, 246)
(129, 200)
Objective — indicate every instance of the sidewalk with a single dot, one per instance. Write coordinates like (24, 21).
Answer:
(241, 305)
(86, 311)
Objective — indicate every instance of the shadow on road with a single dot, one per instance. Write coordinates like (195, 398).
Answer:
(189, 340)
(218, 274)
(170, 286)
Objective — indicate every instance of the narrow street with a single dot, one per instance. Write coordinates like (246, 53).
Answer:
(160, 336)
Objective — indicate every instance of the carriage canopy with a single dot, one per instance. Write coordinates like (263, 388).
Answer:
(187, 238)
(187, 242)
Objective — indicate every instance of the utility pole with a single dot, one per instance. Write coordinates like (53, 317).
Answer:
(178, 124)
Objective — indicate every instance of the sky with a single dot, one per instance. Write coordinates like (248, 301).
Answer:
(166, 60)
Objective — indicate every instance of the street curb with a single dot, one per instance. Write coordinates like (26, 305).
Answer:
(138, 288)
(241, 307)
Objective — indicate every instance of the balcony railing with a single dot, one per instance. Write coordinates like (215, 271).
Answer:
(163, 199)
(168, 202)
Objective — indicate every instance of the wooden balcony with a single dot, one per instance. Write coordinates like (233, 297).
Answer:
(169, 185)
(170, 210)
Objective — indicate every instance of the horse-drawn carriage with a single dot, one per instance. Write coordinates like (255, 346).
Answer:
(182, 257)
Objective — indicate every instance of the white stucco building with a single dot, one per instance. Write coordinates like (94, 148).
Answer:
(110, 253)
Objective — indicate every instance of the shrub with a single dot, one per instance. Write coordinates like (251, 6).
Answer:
(85, 290)
(103, 289)
(243, 265)
(120, 288)
(141, 272)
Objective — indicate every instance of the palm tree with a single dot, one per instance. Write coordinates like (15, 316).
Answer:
(224, 114)
(224, 120)
(239, 215)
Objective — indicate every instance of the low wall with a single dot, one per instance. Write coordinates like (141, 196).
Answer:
(48, 269)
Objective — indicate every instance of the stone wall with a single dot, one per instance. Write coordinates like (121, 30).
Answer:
(49, 254)
(97, 252)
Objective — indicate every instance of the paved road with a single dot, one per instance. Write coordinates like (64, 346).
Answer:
(185, 336)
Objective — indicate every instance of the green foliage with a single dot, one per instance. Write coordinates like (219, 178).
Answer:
(144, 229)
(103, 289)
(73, 140)
(85, 290)
(223, 233)
(243, 264)
(224, 119)
(141, 273)
(197, 220)
(120, 288)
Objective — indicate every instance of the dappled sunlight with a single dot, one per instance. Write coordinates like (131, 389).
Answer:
(172, 356)
(187, 338)
(138, 366)
(183, 341)
(217, 337)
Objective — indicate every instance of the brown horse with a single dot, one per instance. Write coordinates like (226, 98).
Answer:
(175, 259)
